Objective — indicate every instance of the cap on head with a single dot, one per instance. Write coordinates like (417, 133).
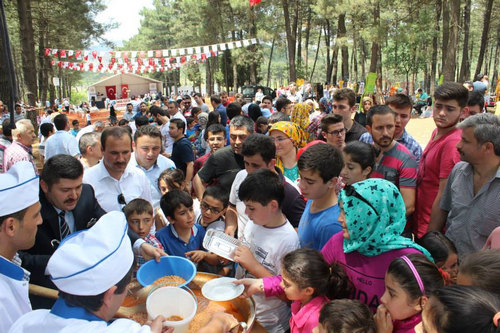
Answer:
(89, 262)
(20, 181)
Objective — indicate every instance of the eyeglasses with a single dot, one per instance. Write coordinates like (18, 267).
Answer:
(205, 206)
(351, 192)
(337, 132)
(121, 199)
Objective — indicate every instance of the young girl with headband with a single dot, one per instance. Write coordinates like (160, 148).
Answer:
(461, 309)
(408, 282)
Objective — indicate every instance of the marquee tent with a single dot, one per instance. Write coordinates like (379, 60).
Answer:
(122, 86)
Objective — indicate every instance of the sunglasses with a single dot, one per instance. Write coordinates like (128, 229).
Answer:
(121, 199)
(351, 192)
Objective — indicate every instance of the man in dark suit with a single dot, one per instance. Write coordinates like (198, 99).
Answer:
(68, 206)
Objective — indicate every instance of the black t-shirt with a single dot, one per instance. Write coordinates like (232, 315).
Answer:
(293, 203)
(182, 153)
(355, 132)
(222, 166)
(360, 118)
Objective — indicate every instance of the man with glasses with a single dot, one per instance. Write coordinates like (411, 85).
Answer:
(394, 163)
(333, 130)
(115, 182)
(344, 104)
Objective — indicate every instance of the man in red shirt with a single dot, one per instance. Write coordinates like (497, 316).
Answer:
(440, 155)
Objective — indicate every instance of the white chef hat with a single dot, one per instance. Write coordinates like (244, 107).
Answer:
(89, 262)
(18, 188)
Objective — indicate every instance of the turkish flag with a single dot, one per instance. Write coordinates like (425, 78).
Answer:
(111, 92)
(124, 91)
(254, 2)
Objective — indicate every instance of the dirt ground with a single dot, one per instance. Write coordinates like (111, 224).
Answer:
(421, 129)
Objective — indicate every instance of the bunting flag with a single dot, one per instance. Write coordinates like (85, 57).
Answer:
(91, 55)
(254, 2)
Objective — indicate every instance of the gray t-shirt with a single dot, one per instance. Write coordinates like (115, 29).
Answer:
(471, 218)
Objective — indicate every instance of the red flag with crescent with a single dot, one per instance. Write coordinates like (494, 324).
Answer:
(111, 92)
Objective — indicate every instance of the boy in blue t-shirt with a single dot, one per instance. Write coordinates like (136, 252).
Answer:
(182, 235)
(319, 167)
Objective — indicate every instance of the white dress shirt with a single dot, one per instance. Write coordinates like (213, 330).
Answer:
(62, 142)
(132, 184)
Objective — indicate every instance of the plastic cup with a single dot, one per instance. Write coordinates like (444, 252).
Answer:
(172, 301)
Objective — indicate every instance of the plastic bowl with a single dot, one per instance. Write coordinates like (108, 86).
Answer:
(171, 265)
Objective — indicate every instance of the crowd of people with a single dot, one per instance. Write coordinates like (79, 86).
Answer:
(345, 223)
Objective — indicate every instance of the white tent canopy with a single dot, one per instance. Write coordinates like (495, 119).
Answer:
(123, 86)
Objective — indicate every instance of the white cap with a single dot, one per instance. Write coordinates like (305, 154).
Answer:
(89, 262)
(18, 188)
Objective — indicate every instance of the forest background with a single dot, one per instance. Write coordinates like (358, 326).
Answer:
(407, 43)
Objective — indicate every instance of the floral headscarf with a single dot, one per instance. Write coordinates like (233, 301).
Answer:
(326, 104)
(371, 234)
(291, 130)
(300, 114)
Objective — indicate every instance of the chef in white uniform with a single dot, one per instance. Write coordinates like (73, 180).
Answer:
(19, 218)
(91, 269)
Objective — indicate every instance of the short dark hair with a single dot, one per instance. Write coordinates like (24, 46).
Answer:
(269, 98)
(147, 130)
(214, 128)
(179, 123)
(60, 122)
(171, 177)
(483, 269)
(262, 120)
(281, 103)
(259, 144)
(46, 128)
(138, 206)
(7, 131)
(379, 110)
(452, 91)
(94, 303)
(233, 110)
(399, 100)
(262, 186)
(324, 159)
(141, 120)
(217, 193)
(345, 93)
(123, 122)
(61, 166)
(174, 103)
(155, 110)
(242, 121)
(115, 132)
(347, 315)
(19, 215)
(362, 153)
(476, 98)
(329, 119)
(74, 122)
(173, 199)
(278, 116)
(130, 104)
(195, 111)
(215, 99)
(439, 246)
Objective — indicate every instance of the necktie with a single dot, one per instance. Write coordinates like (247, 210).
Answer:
(63, 226)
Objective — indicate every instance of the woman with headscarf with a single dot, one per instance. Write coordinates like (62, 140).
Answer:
(372, 213)
(300, 114)
(288, 138)
(366, 104)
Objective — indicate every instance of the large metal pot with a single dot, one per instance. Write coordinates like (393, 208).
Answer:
(244, 307)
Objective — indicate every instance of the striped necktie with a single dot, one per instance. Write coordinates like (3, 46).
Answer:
(63, 226)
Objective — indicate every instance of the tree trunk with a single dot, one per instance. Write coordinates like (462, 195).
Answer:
(269, 63)
(316, 57)
(465, 66)
(329, 64)
(28, 49)
(298, 33)
(363, 59)
(449, 65)
(446, 30)
(308, 32)
(495, 64)
(484, 36)
(375, 45)
(345, 51)
(335, 63)
(435, 47)
(290, 39)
